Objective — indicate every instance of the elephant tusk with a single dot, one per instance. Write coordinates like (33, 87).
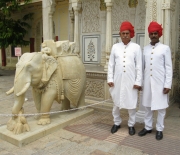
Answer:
(10, 91)
(25, 88)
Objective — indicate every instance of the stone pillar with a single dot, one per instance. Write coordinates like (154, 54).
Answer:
(108, 32)
(166, 6)
(71, 37)
(103, 37)
(76, 8)
(48, 8)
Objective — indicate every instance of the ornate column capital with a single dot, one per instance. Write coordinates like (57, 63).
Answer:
(168, 6)
(108, 8)
(109, 4)
(76, 5)
(108, 1)
(49, 4)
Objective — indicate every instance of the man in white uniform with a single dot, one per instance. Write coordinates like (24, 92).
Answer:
(124, 76)
(157, 67)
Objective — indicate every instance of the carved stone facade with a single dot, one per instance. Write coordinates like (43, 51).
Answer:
(176, 77)
(141, 15)
(96, 86)
(154, 10)
(120, 13)
(90, 16)
(176, 72)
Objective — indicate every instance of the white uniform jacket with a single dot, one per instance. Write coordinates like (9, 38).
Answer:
(157, 69)
(125, 71)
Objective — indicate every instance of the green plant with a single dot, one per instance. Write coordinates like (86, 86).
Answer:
(12, 30)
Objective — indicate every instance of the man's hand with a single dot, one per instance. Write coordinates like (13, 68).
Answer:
(137, 87)
(111, 84)
(166, 90)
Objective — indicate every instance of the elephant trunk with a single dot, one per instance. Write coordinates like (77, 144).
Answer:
(18, 103)
(10, 91)
(19, 97)
(25, 88)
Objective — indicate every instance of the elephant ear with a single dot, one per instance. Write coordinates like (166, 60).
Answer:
(50, 65)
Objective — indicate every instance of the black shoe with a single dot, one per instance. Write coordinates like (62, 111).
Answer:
(143, 132)
(115, 128)
(132, 131)
(159, 135)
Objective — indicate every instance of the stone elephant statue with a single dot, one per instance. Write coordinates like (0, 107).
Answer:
(59, 77)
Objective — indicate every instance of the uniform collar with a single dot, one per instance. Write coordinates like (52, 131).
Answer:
(155, 44)
(127, 44)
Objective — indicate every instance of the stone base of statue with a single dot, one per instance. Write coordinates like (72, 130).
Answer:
(58, 121)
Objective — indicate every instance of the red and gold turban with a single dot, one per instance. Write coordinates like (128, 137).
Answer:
(127, 26)
(154, 26)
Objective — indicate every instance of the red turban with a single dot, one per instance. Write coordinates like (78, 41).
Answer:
(154, 26)
(127, 26)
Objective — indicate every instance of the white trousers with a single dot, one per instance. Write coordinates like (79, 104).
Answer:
(118, 120)
(148, 119)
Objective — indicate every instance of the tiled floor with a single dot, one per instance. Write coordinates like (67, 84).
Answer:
(98, 126)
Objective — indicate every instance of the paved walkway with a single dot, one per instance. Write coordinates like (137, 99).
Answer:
(91, 135)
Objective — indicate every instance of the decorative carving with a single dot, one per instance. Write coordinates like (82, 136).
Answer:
(116, 41)
(141, 14)
(8, 53)
(133, 3)
(172, 15)
(91, 51)
(154, 10)
(120, 13)
(95, 88)
(91, 16)
(145, 3)
(173, 5)
(91, 47)
(8, 60)
(176, 71)
(93, 75)
(168, 5)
